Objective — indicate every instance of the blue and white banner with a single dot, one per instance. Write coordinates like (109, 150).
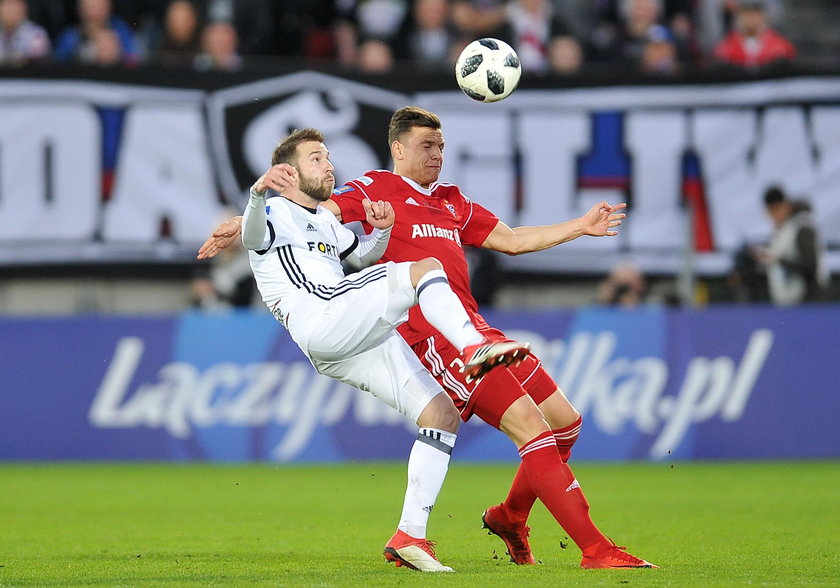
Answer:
(652, 384)
(117, 170)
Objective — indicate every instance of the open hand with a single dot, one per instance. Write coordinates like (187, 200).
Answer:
(603, 218)
(222, 237)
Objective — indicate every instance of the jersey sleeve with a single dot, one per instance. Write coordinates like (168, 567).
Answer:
(347, 240)
(278, 225)
(349, 198)
(478, 224)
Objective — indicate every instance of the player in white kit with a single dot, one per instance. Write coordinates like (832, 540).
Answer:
(346, 326)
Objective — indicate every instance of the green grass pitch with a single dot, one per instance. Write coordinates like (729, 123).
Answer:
(706, 524)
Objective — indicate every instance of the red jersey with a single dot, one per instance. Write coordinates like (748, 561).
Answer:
(433, 222)
(769, 47)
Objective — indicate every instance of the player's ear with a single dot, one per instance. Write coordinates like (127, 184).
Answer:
(397, 150)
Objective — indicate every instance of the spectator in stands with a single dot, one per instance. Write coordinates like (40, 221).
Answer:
(625, 286)
(532, 25)
(49, 14)
(480, 18)
(565, 55)
(375, 56)
(219, 48)
(21, 40)
(659, 56)
(622, 32)
(580, 15)
(77, 42)
(679, 17)
(431, 36)
(714, 18)
(796, 270)
(362, 22)
(753, 44)
(252, 21)
(107, 50)
(313, 24)
(621, 29)
(180, 43)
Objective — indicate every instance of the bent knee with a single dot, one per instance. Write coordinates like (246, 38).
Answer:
(523, 421)
(429, 264)
(440, 413)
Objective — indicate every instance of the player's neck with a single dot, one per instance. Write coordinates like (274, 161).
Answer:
(408, 177)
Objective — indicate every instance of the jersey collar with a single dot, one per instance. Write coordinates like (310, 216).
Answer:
(312, 210)
(417, 186)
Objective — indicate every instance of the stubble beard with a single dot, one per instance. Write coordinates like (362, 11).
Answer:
(315, 189)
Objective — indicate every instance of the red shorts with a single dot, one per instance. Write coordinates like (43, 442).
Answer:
(490, 396)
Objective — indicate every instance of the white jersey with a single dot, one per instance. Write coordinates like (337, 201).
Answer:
(301, 252)
(346, 326)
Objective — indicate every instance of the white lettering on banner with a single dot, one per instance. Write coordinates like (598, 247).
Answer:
(657, 141)
(523, 161)
(613, 390)
(549, 175)
(741, 152)
(163, 171)
(825, 126)
(50, 171)
(184, 398)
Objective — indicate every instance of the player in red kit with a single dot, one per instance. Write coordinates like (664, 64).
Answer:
(523, 401)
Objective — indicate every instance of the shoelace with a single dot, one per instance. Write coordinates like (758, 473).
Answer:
(429, 547)
(620, 552)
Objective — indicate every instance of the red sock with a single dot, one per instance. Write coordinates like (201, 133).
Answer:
(521, 496)
(559, 491)
(566, 437)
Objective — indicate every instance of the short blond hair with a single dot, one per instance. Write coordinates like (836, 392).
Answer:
(287, 149)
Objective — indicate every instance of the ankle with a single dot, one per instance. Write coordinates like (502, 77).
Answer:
(596, 549)
(512, 515)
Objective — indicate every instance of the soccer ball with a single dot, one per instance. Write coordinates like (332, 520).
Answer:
(488, 70)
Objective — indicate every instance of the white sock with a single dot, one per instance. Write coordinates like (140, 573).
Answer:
(427, 467)
(444, 311)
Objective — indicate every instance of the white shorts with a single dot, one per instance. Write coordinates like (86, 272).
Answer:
(352, 337)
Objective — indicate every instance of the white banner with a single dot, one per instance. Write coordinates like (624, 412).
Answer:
(94, 172)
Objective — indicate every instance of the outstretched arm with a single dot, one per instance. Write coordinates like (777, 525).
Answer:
(227, 233)
(602, 220)
(222, 237)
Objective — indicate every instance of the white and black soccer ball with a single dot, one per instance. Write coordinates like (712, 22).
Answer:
(488, 70)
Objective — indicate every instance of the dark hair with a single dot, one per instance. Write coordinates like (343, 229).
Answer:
(287, 149)
(409, 117)
(774, 195)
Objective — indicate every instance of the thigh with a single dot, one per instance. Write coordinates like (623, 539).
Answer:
(391, 372)
(361, 312)
(489, 397)
(530, 373)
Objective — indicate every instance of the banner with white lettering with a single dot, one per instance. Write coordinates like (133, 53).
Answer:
(655, 384)
(95, 172)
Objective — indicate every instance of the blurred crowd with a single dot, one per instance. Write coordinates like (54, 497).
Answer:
(659, 37)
